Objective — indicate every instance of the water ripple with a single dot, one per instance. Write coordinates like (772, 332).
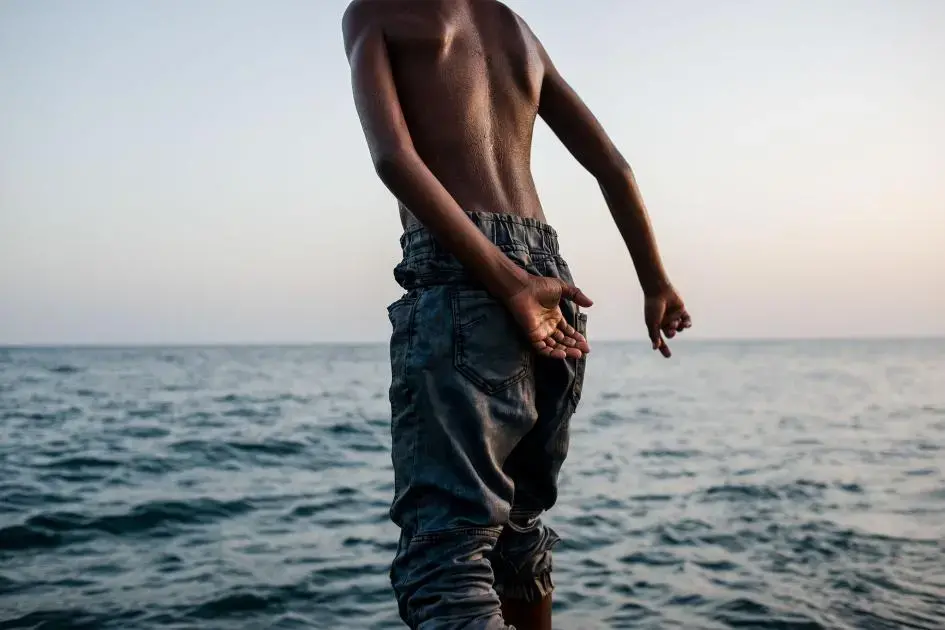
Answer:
(743, 486)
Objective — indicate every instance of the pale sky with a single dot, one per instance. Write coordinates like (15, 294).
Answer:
(174, 171)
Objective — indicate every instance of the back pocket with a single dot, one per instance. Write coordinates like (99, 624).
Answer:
(489, 348)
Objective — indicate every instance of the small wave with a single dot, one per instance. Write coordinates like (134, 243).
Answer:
(327, 507)
(83, 463)
(178, 387)
(733, 492)
(9, 586)
(367, 448)
(670, 474)
(47, 417)
(235, 604)
(689, 600)
(270, 447)
(652, 498)
(682, 533)
(605, 419)
(744, 612)
(56, 528)
(346, 428)
(853, 488)
(250, 413)
(670, 453)
(800, 489)
(76, 618)
(217, 452)
(19, 496)
(242, 399)
(26, 537)
(90, 393)
(716, 565)
(630, 613)
(144, 431)
(652, 558)
(65, 369)
(156, 410)
(382, 422)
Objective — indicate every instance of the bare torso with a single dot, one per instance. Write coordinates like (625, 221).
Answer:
(468, 76)
(447, 92)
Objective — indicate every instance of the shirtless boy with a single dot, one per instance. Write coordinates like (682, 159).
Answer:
(488, 348)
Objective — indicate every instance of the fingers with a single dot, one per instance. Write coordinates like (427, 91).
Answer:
(550, 348)
(661, 345)
(571, 292)
(671, 326)
(664, 350)
(680, 320)
(573, 338)
(563, 342)
(656, 338)
(563, 339)
(657, 329)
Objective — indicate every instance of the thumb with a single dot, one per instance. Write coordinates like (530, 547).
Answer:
(656, 336)
(653, 318)
(571, 292)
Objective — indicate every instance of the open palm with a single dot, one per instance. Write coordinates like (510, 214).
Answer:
(537, 310)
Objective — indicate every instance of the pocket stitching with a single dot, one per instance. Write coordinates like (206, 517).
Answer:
(405, 302)
(580, 364)
(467, 369)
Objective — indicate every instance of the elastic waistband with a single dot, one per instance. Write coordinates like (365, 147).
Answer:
(507, 231)
(426, 262)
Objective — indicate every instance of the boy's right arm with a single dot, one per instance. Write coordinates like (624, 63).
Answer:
(576, 127)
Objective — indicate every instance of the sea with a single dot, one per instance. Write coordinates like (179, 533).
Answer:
(788, 484)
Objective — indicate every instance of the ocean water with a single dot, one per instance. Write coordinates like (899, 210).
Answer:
(740, 485)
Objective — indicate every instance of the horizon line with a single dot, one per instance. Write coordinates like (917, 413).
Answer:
(303, 344)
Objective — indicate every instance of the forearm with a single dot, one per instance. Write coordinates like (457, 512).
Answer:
(629, 213)
(409, 179)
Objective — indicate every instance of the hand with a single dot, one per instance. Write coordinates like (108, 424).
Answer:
(536, 309)
(665, 314)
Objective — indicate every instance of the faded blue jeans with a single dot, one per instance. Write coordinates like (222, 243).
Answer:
(480, 431)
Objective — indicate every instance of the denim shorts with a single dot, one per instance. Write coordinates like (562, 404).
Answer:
(480, 431)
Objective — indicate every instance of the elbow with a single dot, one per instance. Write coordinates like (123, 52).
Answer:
(389, 163)
(616, 174)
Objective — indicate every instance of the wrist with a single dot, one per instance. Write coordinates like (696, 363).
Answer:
(503, 278)
(655, 285)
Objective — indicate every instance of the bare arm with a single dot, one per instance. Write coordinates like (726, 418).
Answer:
(401, 168)
(580, 132)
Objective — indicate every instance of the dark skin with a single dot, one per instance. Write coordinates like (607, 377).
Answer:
(448, 93)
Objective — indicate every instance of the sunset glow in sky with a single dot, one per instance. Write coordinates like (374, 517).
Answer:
(185, 172)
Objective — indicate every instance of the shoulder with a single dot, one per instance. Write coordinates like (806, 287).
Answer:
(358, 12)
(359, 16)
(528, 36)
(506, 12)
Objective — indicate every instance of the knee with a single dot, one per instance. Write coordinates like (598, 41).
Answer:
(521, 560)
(444, 580)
